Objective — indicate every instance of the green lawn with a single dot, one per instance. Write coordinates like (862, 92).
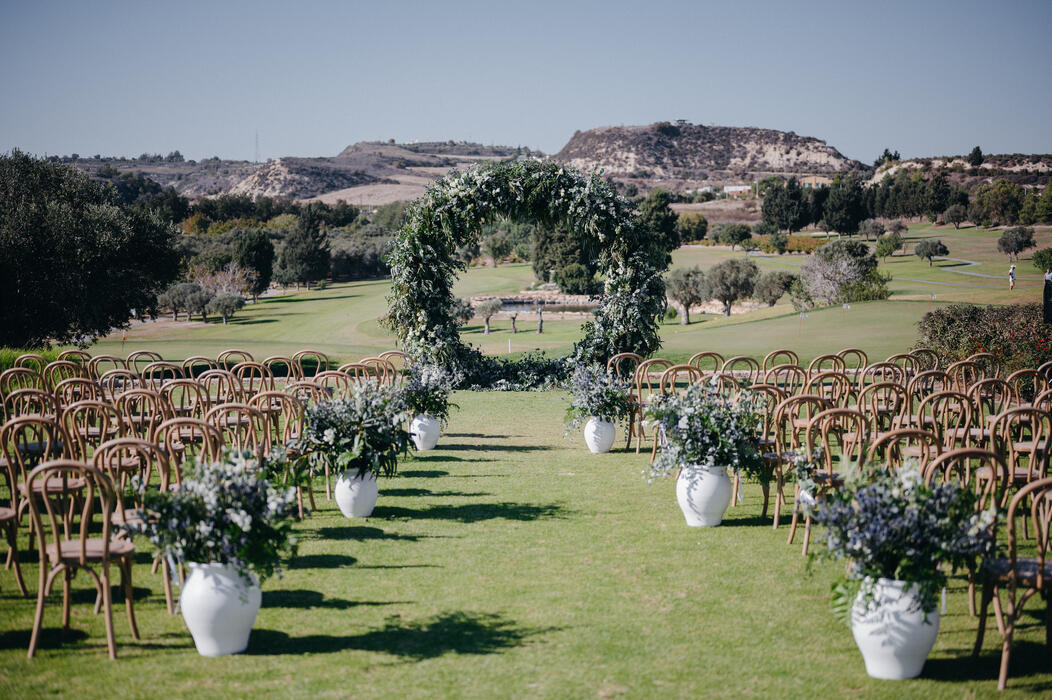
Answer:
(512, 563)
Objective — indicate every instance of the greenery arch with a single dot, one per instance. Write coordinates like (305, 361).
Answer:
(451, 214)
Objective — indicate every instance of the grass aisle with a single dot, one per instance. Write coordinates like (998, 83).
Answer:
(512, 563)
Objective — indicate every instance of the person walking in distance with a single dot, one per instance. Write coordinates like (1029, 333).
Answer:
(1011, 277)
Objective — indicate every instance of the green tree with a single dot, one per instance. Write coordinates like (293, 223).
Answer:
(976, 158)
(1044, 204)
(1015, 240)
(555, 249)
(871, 228)
(74, 261)
(1042, 259)
(487, 310)
(462, 311)
(305, 256)
(843, 208)
(778, 242)
(732, 280)
(255, 252)
(955, 214)
(575, 278)
(784, 206)
(225, 305)
(997, 203)
(929, 248)
(888, 244)
(692, 227)
(497, 246)
(657, 217)
(771, 286)
(686, 287)
(734, 234)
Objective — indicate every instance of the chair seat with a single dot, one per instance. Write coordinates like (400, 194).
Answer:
(1026, 568)
(93, 546)
(55, 485)
(37, 448)
(1019, 475)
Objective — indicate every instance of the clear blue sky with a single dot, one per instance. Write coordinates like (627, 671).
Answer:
(121, 78)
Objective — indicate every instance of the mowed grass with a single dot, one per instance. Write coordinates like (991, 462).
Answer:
(512, 563)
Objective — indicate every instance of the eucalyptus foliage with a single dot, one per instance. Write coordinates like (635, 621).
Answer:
(427, 390)
(596, 392)
(364, 432)
(703, 429)
(224, 512)
(451, 214)
(889, 524)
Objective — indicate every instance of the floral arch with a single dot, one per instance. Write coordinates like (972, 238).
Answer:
(424, 266)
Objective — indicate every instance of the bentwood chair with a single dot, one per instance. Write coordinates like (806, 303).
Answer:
(702, 360)
(79, 356)
(64, 520)
(17, 378)
(647, 384)
(311, 362)
(743, 368)
(9, 523)
(228, 358)
(780, 356)
(184, 439)
(140, 359)
(1021, 577)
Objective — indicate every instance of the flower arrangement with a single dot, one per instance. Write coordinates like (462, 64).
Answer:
(702, 429)
(365, 431)
(889, 524)
(225, 512)
(597, 393)
(427, 391)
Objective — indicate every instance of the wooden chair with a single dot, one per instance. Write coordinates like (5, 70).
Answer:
(334, 383)
(726, 384)
(1046, 370)
(197, 365)
(400, 360)
(948, 414)
(78, 356)
(770, 396)
(140, 359)
(819, 364)
(647, 385)
(834, 386)
(677, 375)
(311, 362)
(141, 411)
(186, 398)
(991, 397)
(228, 358)
(833, 434)
(17, 378)
(67, 546)
(743, 368)
(359, 373)
(780, 356)
(789, 423)
(859, 357)
(965, 373)
(281, 366)
(910, 364)
(886, 405)
(306, 391)
(156, 374)
(117, 459)
(31, 402)
(616, 365)
(1022, 578)
(385, 371)
(9, 522)
(1026, 384)
(880, 372)
(895, 445)
(31, 360)
(220, 386)
(58, 370)
(101, 364)
(925, 359)
(285, 413)
(77, 389)
(116, 381)
(27, 441)
(88, 424)
(243, 427)
(988, 361)
(253, 377)
(789, 378)
(701, 360)
(186, 439)
(1022, 436)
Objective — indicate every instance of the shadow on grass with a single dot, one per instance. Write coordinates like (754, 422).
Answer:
(497, 448)
(322, 561)
(421, 474)
(361, 532)
(751, 521)
(284, 300)
(252, 321)
(306, 600)
(50, 637)
(1027, 658)
(447, 633)
(474, 512)
(448, 458)
(86, 596)
(428, 492)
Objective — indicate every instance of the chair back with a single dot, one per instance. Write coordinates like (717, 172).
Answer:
(893, 447)
(311, 362)
(988, 361)
(88, 424)
(885, 404)
(949, 415)
(925, 359)
(334, 383)
(228, 358)
(285, 414)
(118, 457)
(101, 364)
(140, 359)
(117, 381)
(142, 410)
(253, 377)
(791, 378)
(281, 366)
(306, 391)
(648, 378)
(965, 373)
(826, 363)
(54, 512)
(185, 439)
(384, 369)
(220, 386)
(243, 427)
(854, 358)
(1026, 385)
(77, 389)
(781, 356)
(185, 398)
(80, 357)
(909, 363)
(156, 374)
(399, 359)
(743, 368)
(707, 361)
(31, 360)
(979, 470)
(791, 419)
(17, 378)
(880, 372)
(31, 402)
(1023, 435)
(676, 375)
(623, 365)
(58, 370)
(840, 432)
(834, 386)
(1037, 498)
(197, 365)
(26, 441)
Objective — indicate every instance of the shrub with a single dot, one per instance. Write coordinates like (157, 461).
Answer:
(596, 392)
(804, 244)
(574, 278)
(1016, 334)
(772, 286)
(692, 227)
(1042, 259)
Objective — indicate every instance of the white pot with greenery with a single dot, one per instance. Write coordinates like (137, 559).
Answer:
(361, 437)
(701, 433)
(598, 399)
(899, 537)
(232, 529)
(427, 393)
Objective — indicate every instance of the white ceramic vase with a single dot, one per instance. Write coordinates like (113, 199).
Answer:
(425, 431)
(891, 632)
(356, 495)
(599, 435)
(219, 607)
(703, 495)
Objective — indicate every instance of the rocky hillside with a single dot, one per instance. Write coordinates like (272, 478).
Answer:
(302, 178)
(692, 152)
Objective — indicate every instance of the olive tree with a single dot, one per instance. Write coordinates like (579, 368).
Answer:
(1015, 240)
(929, 248)
(486, 311)
(732, 280)
(686, 287)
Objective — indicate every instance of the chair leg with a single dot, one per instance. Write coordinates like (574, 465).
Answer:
(984, 606)
(807, 534)
(66, 598)
(779, 499)
(166, 572)
(107, 603)
(328, 490)
(735, 485)
(765, 487)
(299, 502)
(12, 556)
(129, 595)
(796, 515)
(1006, 653)
(38, 617)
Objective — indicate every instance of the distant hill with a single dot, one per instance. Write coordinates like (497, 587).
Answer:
(694, 153)
(1014, 167)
